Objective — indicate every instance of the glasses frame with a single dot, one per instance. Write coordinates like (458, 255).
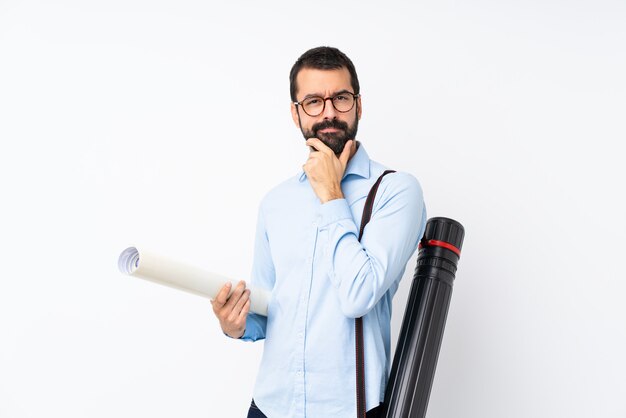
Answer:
(331, 98)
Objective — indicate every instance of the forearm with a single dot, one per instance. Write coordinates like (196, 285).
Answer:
(362, 272)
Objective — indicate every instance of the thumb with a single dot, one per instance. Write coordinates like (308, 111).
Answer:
(345, 154)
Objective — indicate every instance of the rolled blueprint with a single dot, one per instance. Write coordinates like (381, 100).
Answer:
(414, 362)
(168, 272)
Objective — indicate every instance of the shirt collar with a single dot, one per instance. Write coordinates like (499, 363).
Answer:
(358, 165)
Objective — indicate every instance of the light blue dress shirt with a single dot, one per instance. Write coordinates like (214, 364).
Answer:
(321, 278)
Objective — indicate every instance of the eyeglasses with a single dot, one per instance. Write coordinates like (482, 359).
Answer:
(342, 102)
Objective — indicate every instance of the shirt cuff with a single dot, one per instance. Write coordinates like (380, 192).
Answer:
(334, 211)
(255, 327)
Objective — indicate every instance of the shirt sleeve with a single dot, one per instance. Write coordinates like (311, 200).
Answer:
(362, 272)
(263, 276)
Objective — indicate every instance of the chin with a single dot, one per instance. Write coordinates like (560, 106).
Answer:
(336, 144)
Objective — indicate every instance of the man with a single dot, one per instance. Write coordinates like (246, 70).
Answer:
(308, 254)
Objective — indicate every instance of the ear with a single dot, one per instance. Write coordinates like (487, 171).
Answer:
(294, 115)
(359, 107)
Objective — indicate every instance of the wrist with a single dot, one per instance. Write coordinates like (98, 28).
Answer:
(235, 335)
(328, 199)
(331, 195)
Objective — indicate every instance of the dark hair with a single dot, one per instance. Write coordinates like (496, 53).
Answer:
(322, 58)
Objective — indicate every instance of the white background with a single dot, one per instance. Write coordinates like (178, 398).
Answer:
(162, 124)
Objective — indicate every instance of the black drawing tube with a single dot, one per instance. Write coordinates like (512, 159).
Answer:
(415, 359)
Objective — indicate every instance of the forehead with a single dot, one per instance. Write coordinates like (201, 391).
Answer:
(322, 82)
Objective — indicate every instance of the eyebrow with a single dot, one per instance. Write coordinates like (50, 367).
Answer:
(332, 95)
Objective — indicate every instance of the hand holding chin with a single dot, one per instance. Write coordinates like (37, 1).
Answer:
(325, 170)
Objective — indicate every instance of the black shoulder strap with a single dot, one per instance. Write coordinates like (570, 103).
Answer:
(358, 322)
(369, 202)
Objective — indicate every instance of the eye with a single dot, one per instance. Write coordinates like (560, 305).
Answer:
(312, 101)
(342, 97)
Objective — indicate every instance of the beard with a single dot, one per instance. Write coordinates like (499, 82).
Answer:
(333, 140)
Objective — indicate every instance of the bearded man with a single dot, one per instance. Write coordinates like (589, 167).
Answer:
(307, 253)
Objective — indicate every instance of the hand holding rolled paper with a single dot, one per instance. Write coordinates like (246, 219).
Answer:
(168, 272)
(232, 310)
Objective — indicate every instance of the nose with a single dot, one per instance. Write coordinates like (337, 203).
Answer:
(329, 109)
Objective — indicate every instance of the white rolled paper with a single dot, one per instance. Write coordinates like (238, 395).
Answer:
(168, 272)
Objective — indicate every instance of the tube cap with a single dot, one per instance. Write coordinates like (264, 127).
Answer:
(446, 230)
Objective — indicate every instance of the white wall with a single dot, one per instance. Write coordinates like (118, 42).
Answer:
(163, 123)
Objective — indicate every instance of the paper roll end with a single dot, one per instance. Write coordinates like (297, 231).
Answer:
(129, 260)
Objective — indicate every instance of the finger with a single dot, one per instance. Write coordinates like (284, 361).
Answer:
(235, 313)
(222, 295)
(245, 310)
(234, 297)
(319, 145)
(313, 159)
(242, 301)
(309, 143)
(308, 164)
(345, 154)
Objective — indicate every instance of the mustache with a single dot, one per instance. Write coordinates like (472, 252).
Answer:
(329, 123)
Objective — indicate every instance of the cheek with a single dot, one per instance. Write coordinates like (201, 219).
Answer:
(307, 123)
(351, 121)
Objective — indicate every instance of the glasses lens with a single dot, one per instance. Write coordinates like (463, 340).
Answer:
(313, 106)
(343, 102)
